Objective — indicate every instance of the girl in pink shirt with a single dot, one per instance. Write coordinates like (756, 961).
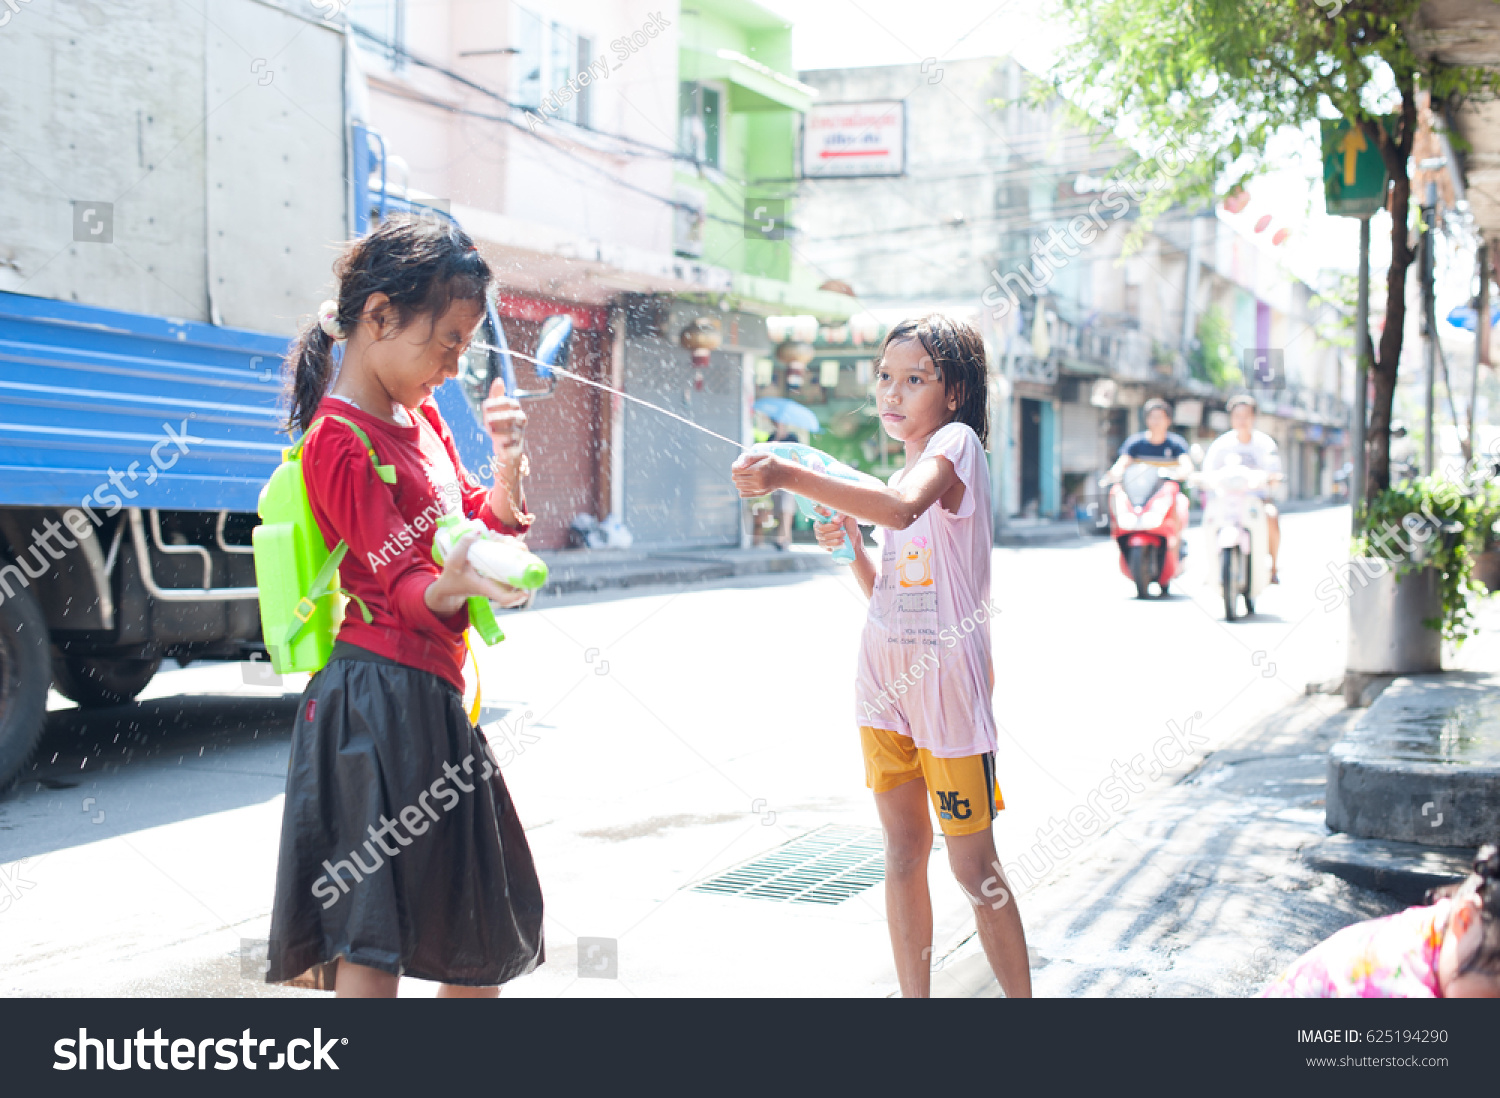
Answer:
(922, 696)
(1449, 949)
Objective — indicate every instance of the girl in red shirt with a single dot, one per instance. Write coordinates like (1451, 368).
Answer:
(401, 852)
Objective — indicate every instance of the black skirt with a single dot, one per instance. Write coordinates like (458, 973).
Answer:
(400, 847)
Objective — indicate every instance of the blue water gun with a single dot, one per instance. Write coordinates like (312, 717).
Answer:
(816, 460)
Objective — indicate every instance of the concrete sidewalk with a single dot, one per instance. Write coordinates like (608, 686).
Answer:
(1202, 889)
(575, 571)
(1212, 885)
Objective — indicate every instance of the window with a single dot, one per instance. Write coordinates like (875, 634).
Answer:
(698, 136)
(386, 19)
(550, 55)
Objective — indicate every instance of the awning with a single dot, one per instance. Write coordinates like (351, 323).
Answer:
(752, 85)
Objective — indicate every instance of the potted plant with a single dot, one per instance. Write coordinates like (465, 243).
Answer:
(1411, 579)
(1486, 571)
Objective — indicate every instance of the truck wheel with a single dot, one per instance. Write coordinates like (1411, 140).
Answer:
(24, 678)
(94, 681)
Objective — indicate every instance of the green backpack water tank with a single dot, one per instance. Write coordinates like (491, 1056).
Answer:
(301, 603)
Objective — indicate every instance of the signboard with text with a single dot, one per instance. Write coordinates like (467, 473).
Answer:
(851, 140)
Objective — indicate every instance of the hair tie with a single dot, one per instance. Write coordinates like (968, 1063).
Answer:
(1487, 862)
(328, 320)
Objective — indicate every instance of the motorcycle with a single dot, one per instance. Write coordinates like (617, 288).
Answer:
(1234, 522)
(1144, 522)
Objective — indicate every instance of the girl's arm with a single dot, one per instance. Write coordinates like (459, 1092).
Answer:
(506, 424)
(932, 479)
(351, 501)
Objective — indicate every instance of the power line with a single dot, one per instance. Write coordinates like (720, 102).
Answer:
(423, 62)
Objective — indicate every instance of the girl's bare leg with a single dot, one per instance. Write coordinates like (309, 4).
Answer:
(908, 904)
(977, 869)
(459, 991)
(363, 982)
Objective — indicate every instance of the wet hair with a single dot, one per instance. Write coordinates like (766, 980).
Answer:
(422, 264)
(1243, 400)
(1155, 404)
(957, 354)
(1484, 882)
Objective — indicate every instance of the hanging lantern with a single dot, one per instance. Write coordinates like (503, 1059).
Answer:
(702, 336)
(795, 356)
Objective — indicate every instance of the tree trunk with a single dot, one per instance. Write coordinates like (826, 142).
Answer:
(1383, 369)
(1387, 360)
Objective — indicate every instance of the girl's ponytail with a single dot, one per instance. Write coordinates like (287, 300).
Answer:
(310, 368)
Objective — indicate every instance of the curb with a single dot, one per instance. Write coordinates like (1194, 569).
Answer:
(1420, 766)
(1403, 870)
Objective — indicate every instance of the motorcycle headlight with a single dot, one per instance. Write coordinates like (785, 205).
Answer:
(1124, 512)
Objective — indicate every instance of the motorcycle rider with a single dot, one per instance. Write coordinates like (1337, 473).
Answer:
(1255, 450)
(1159, 445)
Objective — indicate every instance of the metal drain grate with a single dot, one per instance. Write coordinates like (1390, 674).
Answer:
(825, 866)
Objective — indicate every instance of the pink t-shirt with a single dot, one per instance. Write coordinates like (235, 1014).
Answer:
(924, 658)
(1391, 958)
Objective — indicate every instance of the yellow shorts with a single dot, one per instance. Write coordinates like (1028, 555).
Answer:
(957, 786)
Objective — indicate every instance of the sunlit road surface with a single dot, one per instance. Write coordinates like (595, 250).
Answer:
(650, 742)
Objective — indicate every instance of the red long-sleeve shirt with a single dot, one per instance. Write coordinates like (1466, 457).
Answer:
(389, 528)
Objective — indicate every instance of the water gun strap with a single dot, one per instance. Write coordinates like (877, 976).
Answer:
(386, 473)
(474, 710)
(322, 587)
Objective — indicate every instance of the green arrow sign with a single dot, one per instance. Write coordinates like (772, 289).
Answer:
(1354, 175)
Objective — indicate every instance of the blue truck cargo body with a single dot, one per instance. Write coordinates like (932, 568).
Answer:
(88, 394)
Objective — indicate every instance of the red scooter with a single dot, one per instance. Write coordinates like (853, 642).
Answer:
(1144, 523)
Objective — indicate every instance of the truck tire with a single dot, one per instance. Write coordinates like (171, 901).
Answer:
(25, 675)
(94, 681)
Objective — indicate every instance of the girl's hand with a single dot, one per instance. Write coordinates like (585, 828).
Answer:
(831, 534)
(458, 581)
(756, 474)
(505, 422)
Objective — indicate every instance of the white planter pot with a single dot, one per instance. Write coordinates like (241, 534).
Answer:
(1386, 634)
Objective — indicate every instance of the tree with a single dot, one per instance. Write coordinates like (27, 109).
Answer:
(1213, 359)
(1231, 74)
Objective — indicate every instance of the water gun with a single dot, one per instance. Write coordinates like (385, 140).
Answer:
(495, 557)
(822, 463)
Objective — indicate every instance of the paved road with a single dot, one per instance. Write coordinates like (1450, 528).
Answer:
(652, 742)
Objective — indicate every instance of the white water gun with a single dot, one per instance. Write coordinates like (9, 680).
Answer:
(828, 466)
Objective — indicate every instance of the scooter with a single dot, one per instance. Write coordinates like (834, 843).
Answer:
(1234, 522)
(1143, 521)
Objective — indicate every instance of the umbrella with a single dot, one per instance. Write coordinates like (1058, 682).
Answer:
(788, 412)
(1466, 316)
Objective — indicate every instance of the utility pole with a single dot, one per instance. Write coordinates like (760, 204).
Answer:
(1481, 332)
(1429, 314)
(1361, 373)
